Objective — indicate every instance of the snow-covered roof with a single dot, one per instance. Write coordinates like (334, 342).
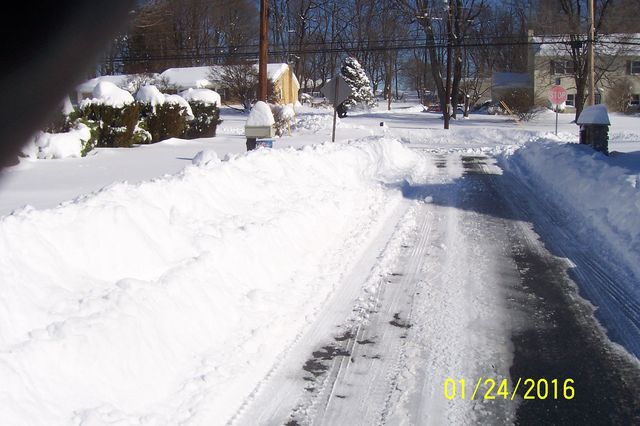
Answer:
(511, 80)
(184, 78)
(606, 44)
(88, 86)
(201, 77)
(594, 114)
(122, 81)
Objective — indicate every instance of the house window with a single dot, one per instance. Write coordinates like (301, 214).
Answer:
(635, 100)
(563, 67)
(635, 67)
(571, 100)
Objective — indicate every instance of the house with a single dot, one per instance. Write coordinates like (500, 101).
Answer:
(617, 69)
(285, 83)
(188, 78)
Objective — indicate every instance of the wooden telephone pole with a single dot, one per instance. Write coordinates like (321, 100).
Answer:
(591, 54)
(264, 44)
(448, 108)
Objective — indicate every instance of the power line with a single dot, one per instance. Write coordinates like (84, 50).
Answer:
(332, 48)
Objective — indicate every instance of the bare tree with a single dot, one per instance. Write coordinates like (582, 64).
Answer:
(573, 44)
(240, 80)
(444, 27)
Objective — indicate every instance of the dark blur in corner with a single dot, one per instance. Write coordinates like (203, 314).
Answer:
(47, 49)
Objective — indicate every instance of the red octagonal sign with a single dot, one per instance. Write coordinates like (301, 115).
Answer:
(557, 95)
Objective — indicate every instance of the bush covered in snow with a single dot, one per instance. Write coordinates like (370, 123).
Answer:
(115, 125)
(168, 121)
(76, 142)
(284, 116)
(113, 115)
(206, 118)
(205, 107)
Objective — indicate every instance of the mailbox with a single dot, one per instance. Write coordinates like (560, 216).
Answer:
(259, 132)
(594, 127)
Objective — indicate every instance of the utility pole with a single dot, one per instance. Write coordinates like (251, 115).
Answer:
(447, 109)
(264, 40)
(591, 54)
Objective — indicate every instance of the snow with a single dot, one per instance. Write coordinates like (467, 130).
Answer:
(274, 71)
(594, 114)
(287, 112)
(205, 158)
(600, 192)
(58, 145)
(90, 85)
(67, 108)
(179, 100)
(150, 95)
(606, 44)
(260, 115)
(188, 77)
(151, 302)
(107, 93)
(206, 96)
(174, 299)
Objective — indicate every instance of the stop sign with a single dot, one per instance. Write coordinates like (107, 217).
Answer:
(557, 95)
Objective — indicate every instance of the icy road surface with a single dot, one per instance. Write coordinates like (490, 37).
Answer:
(459, 286)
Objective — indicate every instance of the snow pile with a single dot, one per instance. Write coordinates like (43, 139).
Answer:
(168, 301)
(602, 196)
(206, 96)
(260, 116)
(489, 139)
(106, 93)
(58, 145)
(150, 95)
(205, 158)
(66, 107)
(315, 123)
(287, 112)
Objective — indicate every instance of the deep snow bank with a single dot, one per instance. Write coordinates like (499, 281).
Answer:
(603, 197)
(166, 302)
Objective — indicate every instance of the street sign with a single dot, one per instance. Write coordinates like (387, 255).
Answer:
(337, 91)
(336, 97)
(557, 95)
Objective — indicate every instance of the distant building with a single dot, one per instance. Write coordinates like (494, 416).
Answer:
(617, 68)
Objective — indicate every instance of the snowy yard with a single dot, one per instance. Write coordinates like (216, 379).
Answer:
(154, 286)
